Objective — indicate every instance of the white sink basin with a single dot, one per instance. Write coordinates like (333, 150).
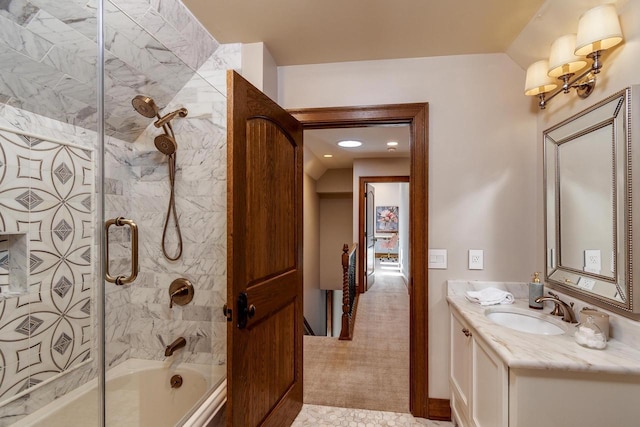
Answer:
(526, 321)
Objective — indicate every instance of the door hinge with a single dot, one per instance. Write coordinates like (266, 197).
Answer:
(228, 313)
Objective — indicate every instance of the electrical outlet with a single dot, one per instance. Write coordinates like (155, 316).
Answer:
(592, 261)
(476, 259)
(585, 283)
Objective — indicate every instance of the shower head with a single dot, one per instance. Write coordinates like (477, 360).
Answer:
(165, 144)
(145, 106)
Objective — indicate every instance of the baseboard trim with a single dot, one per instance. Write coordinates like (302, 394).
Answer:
(439, 409)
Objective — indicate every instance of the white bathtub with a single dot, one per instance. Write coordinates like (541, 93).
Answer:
(138, 394)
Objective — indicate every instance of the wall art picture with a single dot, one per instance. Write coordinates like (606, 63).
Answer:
(386, 219)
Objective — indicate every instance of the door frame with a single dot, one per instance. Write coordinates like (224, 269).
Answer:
(362, 190)
(415, 115)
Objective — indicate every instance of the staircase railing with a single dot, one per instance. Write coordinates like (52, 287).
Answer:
(307, 328)
(349, 293)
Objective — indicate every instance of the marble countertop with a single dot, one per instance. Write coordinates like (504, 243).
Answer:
(521, 350)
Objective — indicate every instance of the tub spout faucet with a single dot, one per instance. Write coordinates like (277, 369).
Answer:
(567, 310)
(178, 343)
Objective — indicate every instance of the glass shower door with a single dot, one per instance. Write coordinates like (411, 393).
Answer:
(164, 170)
(49, 148)
(68, 162)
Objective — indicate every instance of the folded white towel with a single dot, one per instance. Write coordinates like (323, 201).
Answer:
(490, 296)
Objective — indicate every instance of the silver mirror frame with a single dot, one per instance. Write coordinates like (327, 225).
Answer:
(625, 156)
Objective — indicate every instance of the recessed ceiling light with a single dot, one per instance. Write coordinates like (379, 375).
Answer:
(392, 143)
(328, 156)
(348, 143)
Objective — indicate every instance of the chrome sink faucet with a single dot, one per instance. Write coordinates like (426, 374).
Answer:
(560, 308)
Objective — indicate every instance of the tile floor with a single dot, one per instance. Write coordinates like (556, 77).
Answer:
(327, 416)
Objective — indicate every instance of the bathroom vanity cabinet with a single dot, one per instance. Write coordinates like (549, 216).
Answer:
(479, 380)
(504, 378)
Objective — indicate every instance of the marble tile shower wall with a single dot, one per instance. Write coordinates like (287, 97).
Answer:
(48, 58)
(139, 314)
(47, 80)
(139, 321)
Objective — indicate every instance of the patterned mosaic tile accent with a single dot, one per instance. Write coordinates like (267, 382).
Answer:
(327, 416)
(47, 191)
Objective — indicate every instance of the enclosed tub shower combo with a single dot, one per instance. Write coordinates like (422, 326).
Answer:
(112, 214)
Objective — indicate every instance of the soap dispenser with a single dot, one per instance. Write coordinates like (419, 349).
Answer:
(536, 289)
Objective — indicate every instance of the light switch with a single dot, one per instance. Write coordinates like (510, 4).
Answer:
(476, 259)
(437, 258)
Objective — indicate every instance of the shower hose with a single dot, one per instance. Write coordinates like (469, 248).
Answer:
(172, 210)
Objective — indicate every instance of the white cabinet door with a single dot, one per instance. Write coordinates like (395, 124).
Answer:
(490, 389)
(460, 378)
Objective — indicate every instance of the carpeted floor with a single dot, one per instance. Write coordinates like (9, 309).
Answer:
(372, 370)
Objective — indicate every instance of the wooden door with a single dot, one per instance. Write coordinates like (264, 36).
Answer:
(370, 236)
(264, 336)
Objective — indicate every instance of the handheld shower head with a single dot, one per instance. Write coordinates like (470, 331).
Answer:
(165, 144)
(182, 112)
(145, 106)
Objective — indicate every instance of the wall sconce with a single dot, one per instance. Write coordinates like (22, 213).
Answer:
(598, 30)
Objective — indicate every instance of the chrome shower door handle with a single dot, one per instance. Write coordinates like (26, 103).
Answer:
(119, 222)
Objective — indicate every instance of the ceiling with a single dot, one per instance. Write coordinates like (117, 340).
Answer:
(300, 32)
(311, 32)
(374, 144)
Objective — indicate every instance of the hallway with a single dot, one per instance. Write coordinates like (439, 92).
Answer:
(372, 370)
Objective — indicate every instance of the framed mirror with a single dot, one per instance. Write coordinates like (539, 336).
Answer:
(588, 181)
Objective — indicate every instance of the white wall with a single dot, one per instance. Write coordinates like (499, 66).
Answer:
(335, 231)
(403, 228)
(336, 181)
(482, 162)
(260, 69)
(314, 301)
(374, 167)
